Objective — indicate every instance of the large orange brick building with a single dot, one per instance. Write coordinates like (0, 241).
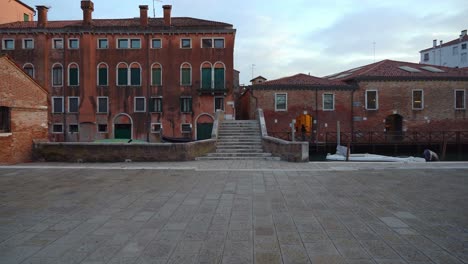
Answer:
(15, 10)
(136, 78)
(23, 113)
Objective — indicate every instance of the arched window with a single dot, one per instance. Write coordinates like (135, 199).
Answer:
(135, 74)
(122, 74)
(156, 74)
(219, 76)
(185, 74)
(57, 75)
(206, 75)
(73, 73)
(102, 76)
(29, 69)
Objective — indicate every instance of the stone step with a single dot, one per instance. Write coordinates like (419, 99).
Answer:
(237, 146)
(239, 150)
(253, 137)
(238, 133)
(239, 130)
(239, 158)
(235, 154)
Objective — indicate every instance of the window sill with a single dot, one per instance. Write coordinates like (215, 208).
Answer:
(5, 134)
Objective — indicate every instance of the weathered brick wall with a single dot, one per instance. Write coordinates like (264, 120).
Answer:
(111, 152)
(286, 150)
(28, 113)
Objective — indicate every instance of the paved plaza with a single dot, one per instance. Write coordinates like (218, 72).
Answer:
(234, 212)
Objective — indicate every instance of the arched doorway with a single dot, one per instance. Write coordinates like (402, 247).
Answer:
(204, 126)
(394, 127)
(123, 126)
(304, 126)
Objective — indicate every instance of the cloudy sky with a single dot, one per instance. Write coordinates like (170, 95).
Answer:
(319, 37)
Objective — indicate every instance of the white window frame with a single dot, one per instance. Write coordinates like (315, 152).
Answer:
(107, 104)
(68, 74)
(97, 74)
(135, 104)
(69, 132)
(73, 39)
(4, 41)
(103, 132)
(191, 109)
(129, 74)
(454, 50)
(52, 75)
(24, 43)
(58, 132)
(376, 100)
(151, 73)
(181, 39)
(157, 97)
(286, 102)
(422, 99)
(191, 73)
(53, 104)
(151, 43)
(455, 99)
(213, 46)
(333, 102)
(185, 132)
(78, 103)
(129, 41)
(57, 39)
(214, 103)
(98, 41)
(463, 57)
(32, 66)
(156, 131)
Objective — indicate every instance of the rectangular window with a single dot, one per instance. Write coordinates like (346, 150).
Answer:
(103, 44)
(73, 104)
(28, 43)
(460, 99)
(426, 56)
(135, 76)
(57, 104)
(57, 128)
(102, 128)
(57, 43)
(281, 102)
(372, 100)
(103, 104)
(72, 128)
(156, 105)
(186, 78)
(328, 102)
(463, 58)
(186, 104)
(102, 77)
(156, 127)
(219, 43)
(8, 44)
(122, 43)
(186, 43)
(156, 43)
(219, 103)
(73, 76)
(73, 43)
(25, 17)
(207, 43)
(463, 46)
(186, 128)
(135, 43)
(140, 104)
(418, 99)
(156, 76)
(4, 119)
(57, 76)
(455, 50)
(122, 76)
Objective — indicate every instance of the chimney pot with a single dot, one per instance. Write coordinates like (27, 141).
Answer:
(88, 7)
(42, 15)
(434, 43)
(463, 32)
(144, 15)
(167, 15)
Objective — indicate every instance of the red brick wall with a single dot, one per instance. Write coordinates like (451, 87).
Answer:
(28, 113)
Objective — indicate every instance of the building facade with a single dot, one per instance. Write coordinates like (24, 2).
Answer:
(450, 54)
(137, 78)
(23, 113)
(387, 97)
(15, 10)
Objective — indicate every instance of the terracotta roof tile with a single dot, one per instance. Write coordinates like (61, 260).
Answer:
(304, 80)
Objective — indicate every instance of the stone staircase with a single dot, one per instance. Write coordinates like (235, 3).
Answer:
(239, 140)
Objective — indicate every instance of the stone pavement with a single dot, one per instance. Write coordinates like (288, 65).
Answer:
(234, 212)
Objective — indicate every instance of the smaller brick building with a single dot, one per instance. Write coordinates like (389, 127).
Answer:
(23, 113)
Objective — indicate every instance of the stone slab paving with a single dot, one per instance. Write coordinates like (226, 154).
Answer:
(234, 212)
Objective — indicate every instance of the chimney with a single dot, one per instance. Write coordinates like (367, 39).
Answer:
(167, 15)
(144, 15)
(42, 16)
(434, 43)
(441, 42)
(463, 33)
(88, 8)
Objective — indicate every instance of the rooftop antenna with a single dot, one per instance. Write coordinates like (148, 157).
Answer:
(373, 43)
(154, 10)
(253, 65)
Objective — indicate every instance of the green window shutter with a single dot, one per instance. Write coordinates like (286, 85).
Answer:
(135, 76)
(156, 76)
(186, 76)
(206, 78)
(219, 78)
(189, 104)
(102, 76)
(122, 76)
(73, 76)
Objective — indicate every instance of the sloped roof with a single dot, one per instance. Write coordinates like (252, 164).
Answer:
(14, 64)
(450, 43)
(390, 69)
(301, 81)
(184, 22)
